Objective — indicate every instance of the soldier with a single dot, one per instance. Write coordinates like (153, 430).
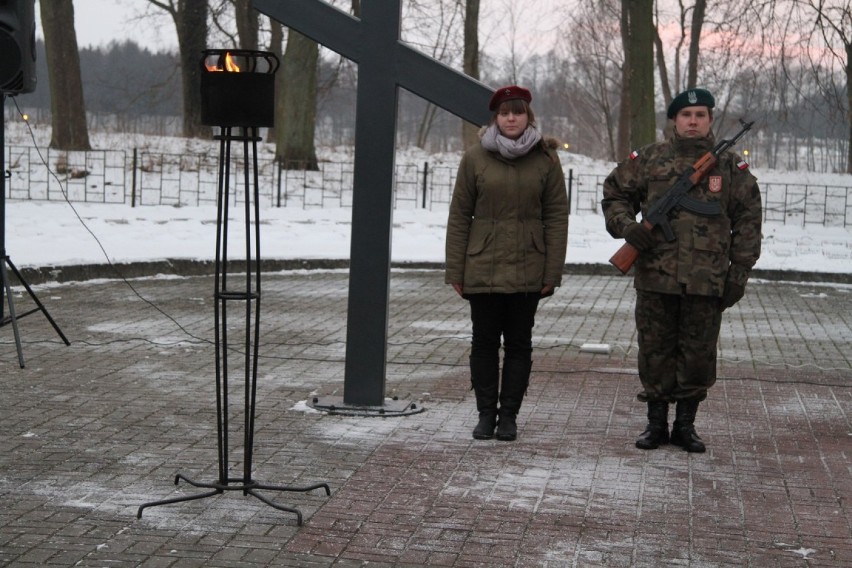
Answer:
(683, 286)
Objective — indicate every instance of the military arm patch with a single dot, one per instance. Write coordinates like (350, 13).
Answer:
(634, 154)
(742, 165)
(715, 184)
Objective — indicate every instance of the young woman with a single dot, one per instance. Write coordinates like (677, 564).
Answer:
(507, 235)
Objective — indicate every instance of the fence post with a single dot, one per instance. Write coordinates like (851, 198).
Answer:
(133, 180)
(278, 184)
(570, 187)
(425, 181)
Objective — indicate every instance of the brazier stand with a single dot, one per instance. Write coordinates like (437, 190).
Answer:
(217, 108)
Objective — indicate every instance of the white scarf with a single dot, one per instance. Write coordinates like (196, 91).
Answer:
(510, 149)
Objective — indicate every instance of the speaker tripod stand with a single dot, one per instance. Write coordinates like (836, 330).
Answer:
(6, 264)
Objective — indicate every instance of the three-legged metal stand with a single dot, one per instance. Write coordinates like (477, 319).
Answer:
(223, 296)
(5, 287)
(13, 317)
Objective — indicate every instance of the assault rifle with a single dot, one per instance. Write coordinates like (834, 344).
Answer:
(675, 197)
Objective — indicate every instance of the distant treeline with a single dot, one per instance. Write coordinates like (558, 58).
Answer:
(130, 89)
(122, 79)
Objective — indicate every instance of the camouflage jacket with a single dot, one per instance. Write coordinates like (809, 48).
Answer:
(507, 229)
(706, 250)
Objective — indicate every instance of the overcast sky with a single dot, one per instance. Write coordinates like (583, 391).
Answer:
(99, 22)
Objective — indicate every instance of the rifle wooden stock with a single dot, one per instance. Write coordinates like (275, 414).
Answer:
(624, 257)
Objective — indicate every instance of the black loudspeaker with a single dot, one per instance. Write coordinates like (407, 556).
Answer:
(17, 46)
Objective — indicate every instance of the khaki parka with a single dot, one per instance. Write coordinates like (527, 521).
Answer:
(507, 230)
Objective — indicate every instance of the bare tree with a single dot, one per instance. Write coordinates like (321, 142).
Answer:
(236, 21)
(190, 18)
(639, 57)
(433, 28)
(247, 24)
(625, 110)
(698, 12)
(471, 61)
(276, 46)
(297, 97)
(717, 43)
(68, 110)
(589, 81)
(297, 104)
(829, 44)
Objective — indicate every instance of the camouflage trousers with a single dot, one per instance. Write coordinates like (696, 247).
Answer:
(677, 337)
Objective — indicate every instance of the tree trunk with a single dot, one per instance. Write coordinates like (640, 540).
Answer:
(276, 43)
(425, 127)
(849, 106)
(471, 63)
(297, 84)
(623, 142)
(67, 107)
(698, 12)
(247, 24)
(191, 23)
(643, 128)
(661, 69)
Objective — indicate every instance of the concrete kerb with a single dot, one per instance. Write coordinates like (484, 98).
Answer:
(192, 267)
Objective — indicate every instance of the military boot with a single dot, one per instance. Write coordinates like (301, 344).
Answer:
(484, 378)
(683, 429)
(516, 377)
(657, 431)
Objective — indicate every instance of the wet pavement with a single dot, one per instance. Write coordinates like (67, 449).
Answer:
(94, 430)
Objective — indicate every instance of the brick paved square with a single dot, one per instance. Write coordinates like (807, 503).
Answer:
(93, 430)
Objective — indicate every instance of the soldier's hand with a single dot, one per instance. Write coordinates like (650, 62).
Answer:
(733, 293)
(640, 237)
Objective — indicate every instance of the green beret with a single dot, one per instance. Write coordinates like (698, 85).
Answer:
(691, 97)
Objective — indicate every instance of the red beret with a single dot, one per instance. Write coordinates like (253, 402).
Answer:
(509, 93)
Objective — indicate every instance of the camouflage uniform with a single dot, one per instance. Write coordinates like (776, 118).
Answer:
(679, 284)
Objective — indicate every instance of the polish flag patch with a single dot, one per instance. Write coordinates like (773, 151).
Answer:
(634, 154)
(742, 165)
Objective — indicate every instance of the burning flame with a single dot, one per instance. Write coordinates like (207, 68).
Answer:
(230, 66)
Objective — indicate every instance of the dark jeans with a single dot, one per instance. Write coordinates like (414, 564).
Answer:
(510, 317)
(507, 316)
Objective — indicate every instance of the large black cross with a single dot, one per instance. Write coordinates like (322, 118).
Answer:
(384, 65)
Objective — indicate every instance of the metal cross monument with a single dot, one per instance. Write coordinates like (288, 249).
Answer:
(384, 65)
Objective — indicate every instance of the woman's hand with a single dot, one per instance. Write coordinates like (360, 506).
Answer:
(458, 287)
(547, 290)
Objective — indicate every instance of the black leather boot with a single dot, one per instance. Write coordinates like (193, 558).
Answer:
(657, 431)
(484, 378)
(485, 427)
(507, 427)
(516, 378)
(683, 429)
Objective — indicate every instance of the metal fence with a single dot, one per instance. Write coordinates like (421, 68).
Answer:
(141, 178)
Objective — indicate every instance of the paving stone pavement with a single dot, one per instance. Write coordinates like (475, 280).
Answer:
(93, 430)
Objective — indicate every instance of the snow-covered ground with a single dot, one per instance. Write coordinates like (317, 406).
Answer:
(59, 233)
